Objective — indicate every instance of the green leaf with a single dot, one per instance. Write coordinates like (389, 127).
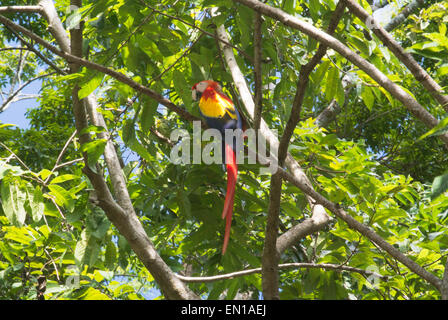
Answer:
(110, 255)
(80, 253)
(244, 21)
(88, 87)
(439, 185)
(13, 201)
(184, 203)
(93, 294)
(128, 134)
(181, 26)
(182, 87)
(368, 97)
(147, 115)
(440, 128)
(62, 197)
(94, 150)
(64, 177)
(331, 84)
(340, 93)
(288, 6)
(4, 125)
(320, 72)
(35, 202)
(314, 6)
(441, 39)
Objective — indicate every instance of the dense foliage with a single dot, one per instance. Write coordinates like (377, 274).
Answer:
(368, 159)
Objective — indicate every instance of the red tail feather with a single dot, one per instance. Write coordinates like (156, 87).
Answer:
(232, 172)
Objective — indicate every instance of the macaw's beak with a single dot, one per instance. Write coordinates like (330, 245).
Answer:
(196, 95)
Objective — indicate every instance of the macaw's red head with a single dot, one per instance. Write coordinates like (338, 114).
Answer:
(204, 86)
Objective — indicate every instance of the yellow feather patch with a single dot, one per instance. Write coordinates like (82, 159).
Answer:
(216, 107)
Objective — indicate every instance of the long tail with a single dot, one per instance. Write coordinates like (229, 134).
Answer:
(232, 172)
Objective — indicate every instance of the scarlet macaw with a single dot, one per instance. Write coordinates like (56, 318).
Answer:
(220, 113)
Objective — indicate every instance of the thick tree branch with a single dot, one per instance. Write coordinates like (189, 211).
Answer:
(363, 229)
(300, 231)
(124, 219)
(271, 255)
(54, 23)
(444, 288)
(395, 90)
(26, 9)
(258, 94)
(404, 14)
(130, 225)
(36, 52)
(94, 66)
(406, 58)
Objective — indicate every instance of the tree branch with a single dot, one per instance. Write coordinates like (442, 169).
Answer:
(269, 252)
(94, 66)
(444, 287)
(328, 114)
(297, 265)
(364, 230)
(404, 14)
(406, 58)
(61, 154)
(54, 23)
(395, 90)
(300, 231)
(13, 48)
(258, 96)
(126, 222)
(271, 255)
(11, 97)
(28, 9)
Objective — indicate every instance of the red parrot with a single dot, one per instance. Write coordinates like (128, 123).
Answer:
(220, 113)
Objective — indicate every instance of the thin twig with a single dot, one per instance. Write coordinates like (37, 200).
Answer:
(13, 48)
(59, 166)
(15, 156)
(61, 154)
(37, 52)
(296, 265)
(11, 97)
